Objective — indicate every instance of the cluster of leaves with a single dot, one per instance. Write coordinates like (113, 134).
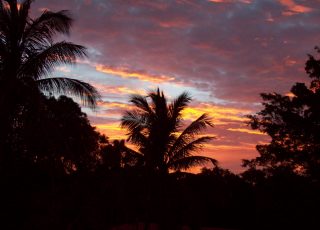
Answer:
(293, 123)
(155, 128)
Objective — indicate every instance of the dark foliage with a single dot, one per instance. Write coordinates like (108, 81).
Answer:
(28, 54)
(154, 128)
(293, 123)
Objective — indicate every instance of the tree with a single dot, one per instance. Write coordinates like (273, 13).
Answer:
(154, 128)
(117, 155)
(28, 54)
(59, 138)
(293, 123)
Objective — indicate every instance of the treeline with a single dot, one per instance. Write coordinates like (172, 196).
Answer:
(58, 172)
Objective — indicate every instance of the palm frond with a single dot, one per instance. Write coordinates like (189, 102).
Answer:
(138, 139)
(133, 121)
(186, 149)
(198, 125)
(141, 102)
(159, 103)
(23, 15)
(188, 134)
(178, 105)
(41, 30)
(191, 161)
(42, 63)
(84, 91)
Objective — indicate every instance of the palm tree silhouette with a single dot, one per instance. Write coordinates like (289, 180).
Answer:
(28, 53)
(155, 129)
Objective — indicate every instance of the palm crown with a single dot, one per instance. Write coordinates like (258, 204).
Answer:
(28, 53)
(155, 129)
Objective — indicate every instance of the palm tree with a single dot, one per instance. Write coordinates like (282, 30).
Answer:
(155, 129)
(28, 54)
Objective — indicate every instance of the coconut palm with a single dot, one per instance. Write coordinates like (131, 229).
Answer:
(28, 53)
(154, 127)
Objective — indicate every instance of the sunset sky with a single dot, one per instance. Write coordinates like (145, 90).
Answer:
(224, 52)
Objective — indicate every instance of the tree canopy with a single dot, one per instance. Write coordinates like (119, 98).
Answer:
(293, 123)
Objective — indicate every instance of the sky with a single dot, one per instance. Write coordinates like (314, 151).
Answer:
(223, 52)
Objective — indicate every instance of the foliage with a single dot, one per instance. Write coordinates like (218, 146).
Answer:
(28, 54)
(117, 155)
(293, 123)
(58, 137)
(154, 128)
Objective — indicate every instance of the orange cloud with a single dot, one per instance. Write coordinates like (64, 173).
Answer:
(219, 114)
(118, 90)
(220, 147)
(115, 105)
(112, 130)
(249, 131)
(294, 8)
(126, 73)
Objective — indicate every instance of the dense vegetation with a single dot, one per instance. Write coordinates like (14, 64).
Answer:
(58, 172)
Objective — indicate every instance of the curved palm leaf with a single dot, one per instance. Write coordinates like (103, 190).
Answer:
(134, 121)
(187, 148)
(178, 105)
(193, 129)
(141, 102)
(42, 63)
(87, 93)
(188, 162)
(198, 125)
(41, 30)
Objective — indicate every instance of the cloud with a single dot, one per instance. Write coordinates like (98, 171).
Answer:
(241, 130)
(119, 90)
(112, 130)
(294, 8)
(140, 75)
(219, 114)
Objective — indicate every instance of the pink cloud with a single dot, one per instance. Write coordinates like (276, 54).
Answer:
(126, 73)
(294, 8)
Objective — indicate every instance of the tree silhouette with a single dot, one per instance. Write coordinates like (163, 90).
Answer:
(28, 54)
(154, 128)
(117, 155)
(293, 123)
(58, 138)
